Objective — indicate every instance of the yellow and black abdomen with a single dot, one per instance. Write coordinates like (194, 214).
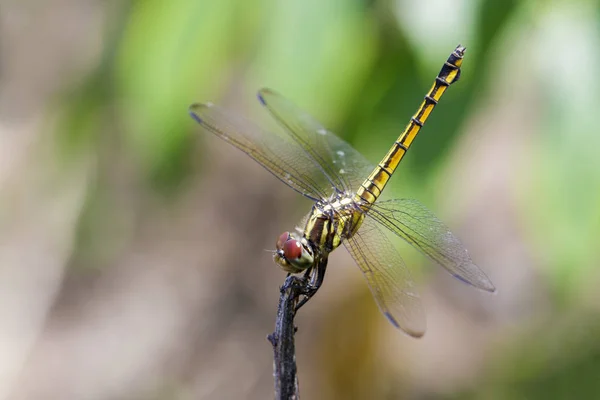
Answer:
(372, 187)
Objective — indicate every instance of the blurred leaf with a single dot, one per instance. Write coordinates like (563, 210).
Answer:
(321, 63)
(172, 53)
(564, 197)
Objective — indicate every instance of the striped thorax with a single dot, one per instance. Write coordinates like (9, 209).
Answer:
(327, 225)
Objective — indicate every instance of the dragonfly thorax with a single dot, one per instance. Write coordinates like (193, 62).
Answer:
(331, 222)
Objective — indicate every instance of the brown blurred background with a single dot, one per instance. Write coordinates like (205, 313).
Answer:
(132, 262)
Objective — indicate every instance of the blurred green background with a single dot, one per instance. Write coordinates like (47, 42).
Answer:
(132, 262)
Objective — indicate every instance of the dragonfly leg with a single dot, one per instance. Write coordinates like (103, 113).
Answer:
(316, 276)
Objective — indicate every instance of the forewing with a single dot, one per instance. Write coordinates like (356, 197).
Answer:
(277, 153)
(343, 166)
(414, 223)
(388, 278)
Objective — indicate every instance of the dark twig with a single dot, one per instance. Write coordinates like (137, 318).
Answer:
(286, 379)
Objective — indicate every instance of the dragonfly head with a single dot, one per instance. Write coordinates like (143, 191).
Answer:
(294, 254)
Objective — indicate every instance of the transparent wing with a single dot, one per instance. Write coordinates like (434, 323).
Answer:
(388, 278)
(277, 153)
(414, 223)
(343, 166)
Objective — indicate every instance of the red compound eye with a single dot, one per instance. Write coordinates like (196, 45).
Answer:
(292, 249)
(284, 237)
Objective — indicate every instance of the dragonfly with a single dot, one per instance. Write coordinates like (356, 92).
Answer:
(344, 188)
